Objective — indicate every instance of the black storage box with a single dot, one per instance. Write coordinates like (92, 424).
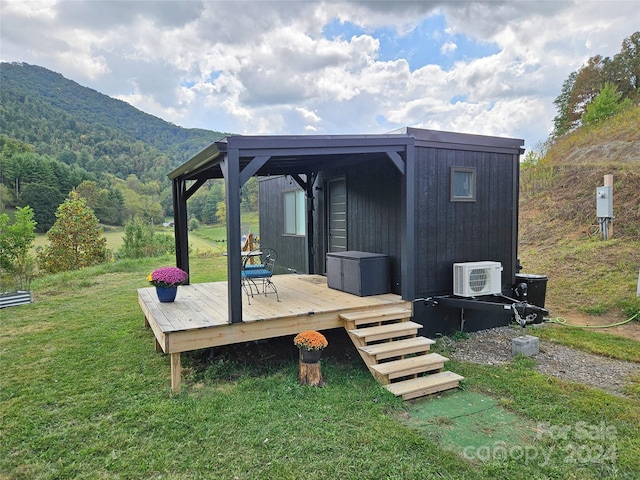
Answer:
(536, 288)
(359, 273)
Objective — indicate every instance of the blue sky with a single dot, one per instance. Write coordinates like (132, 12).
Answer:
(312, 67)
(428, 42)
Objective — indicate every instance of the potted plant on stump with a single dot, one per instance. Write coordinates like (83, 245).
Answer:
(166, 281)
(310, 343)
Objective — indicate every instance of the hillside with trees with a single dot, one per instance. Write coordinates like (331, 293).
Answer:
(620, 74)
(559, 231)
(597, 133)
(80, 126)
(58, 136)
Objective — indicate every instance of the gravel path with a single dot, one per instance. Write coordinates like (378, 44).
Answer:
(493, 347)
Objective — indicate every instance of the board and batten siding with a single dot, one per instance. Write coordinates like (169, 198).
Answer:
(291, 249)
(449, 232)
(373, 212)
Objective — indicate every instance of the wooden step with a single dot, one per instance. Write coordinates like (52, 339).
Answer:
(376, 315)
(409, 366)
(384, 332)
(427, 385)
(407, 346)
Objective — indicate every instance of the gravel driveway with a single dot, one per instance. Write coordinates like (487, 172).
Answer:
(493, 347)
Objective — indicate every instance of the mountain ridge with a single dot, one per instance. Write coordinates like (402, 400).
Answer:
(43, 108)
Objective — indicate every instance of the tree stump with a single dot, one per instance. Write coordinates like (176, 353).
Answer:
(310, 374)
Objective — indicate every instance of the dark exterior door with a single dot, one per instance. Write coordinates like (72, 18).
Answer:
(337, 215)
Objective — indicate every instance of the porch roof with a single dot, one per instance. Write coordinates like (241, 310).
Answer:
(294, 154)
(304, 154)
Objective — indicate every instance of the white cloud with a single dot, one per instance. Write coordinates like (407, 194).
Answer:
(265, 67)
(448, 47)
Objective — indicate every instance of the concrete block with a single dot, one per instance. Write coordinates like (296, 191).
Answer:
(525, 344)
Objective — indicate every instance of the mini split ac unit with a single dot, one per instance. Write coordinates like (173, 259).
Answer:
(477, 278)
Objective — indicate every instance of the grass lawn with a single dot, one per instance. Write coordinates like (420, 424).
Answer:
(84, 396)
(115, 239)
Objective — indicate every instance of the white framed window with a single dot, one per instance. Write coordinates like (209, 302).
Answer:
(295, 213)
(463, 184)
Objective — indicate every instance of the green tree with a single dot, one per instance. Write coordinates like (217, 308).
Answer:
(76, 238)
(582, 86)
(7, 197)
(112, 211)
(44, 199)
(91, 193)
(627, 67)
(564, 121)
(140, 240)
(604, 105)
(10, 146)
(221, 212)
(16, 240)
(250, 194)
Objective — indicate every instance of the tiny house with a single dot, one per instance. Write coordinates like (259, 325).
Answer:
(458, 203)
(423, 199)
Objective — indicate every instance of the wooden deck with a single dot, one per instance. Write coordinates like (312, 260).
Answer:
(198, 317)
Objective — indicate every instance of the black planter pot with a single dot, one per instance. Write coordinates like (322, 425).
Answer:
(310, 356)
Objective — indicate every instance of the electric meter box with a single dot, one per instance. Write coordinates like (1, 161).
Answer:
(604, 202)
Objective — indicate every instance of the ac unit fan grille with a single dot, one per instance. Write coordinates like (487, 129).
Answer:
(478, 278)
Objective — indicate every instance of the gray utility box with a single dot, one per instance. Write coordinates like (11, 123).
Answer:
(359, 273)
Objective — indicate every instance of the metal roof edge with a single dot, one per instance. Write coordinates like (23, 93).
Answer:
(201, 158)
(425, 137)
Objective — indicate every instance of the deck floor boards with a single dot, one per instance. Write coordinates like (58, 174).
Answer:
(204, 306)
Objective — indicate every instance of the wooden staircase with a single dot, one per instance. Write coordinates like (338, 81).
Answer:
(387, 341)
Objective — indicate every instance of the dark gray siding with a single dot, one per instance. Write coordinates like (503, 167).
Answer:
(450, 232)
(446, 232)
(291, 249)
(373, 212)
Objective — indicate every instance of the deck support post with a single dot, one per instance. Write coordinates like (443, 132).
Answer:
(176, 372)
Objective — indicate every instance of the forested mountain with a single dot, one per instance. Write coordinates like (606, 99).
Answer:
(80, 126)
(56, 136)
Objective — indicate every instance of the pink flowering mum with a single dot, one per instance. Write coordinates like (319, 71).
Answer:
(167, 277)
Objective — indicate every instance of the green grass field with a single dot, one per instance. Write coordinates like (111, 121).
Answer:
(84, 396)
(198, 243)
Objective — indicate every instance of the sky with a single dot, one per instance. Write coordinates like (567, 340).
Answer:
(324, 67)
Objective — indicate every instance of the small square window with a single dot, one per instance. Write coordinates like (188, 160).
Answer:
(463, 184)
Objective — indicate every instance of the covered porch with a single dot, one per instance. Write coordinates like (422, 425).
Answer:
(199, 316)
(301, 158)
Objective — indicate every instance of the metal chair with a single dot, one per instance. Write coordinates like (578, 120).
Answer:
(253, 274)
